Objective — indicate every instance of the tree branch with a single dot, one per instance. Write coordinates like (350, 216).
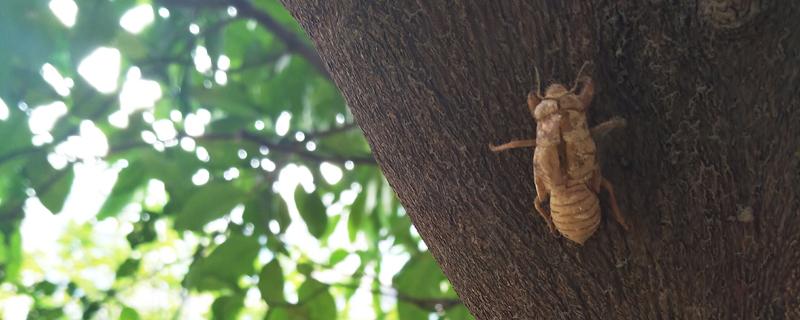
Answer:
(433, 304)
(330, 132)
(292, 41)
(245, 9)
(295, 149)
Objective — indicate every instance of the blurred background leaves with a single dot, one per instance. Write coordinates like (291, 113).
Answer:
(191, 159)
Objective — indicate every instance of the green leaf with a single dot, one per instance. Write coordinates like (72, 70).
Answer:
(129, 313)
(52, 186)
(143, 232)
(257, 211)
(281, 212)
(56, 193)
(91, 308)
(227, 307)
(232, 98)
(316, 300)
(270, 282)
(223, 267)
(324, 100)
(305, 268)
(128, 267)
(312, 210)
(15, 133)
(458, 313)
(338, 256)
(357, 213)
(211, 202)
(128, 181)
(10, 256)
(279, 313)
(131, 46)
(45, 288)
(276, 245)
(420, 278)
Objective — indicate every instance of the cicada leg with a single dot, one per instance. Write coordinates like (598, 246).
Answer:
(541, 194)
(513, 144)
(613, 202)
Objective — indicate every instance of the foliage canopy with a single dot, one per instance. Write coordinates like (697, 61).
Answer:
(186, 159)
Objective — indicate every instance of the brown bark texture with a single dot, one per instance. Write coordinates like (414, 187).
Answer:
(706, 170)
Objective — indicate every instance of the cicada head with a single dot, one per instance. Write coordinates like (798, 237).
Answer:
(555, 91)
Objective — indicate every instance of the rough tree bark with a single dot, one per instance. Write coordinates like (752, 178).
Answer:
(707, 169)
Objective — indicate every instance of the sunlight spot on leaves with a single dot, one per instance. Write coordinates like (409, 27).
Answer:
(267, 165)
(230, 174)
(202, 61)
(43, 118)
(65, 10)
(282, 63)
(163, 12)
(149, 137)
(175, 115)
(137, 18)
(237, 214)
(138, 93)
(188, 144)
(118, 119)
(101, 69)
(60, 84)
(165, 130)
(156, 195)
(330, 172)
(232, 12)
(148, 117)
(57, 161)
(91, 143)
(282, 124)
(311, 146)
(16, 306)
(194, 125)
(3, 110)
(259, 125)
(202, 154)
(223, 62)
(220, 77)
(200, 177)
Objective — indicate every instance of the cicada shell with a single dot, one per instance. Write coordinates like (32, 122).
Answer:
(565, 168)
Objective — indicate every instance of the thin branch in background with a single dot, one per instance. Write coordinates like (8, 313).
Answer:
(332, 131)
(247, 65)
(292, 41)
(196, 3)
(433, 304)
(295, 149)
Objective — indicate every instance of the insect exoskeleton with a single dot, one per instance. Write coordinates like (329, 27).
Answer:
(575, 211)
(565, 162)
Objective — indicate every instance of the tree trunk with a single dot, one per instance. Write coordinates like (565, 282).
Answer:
(706, 171)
